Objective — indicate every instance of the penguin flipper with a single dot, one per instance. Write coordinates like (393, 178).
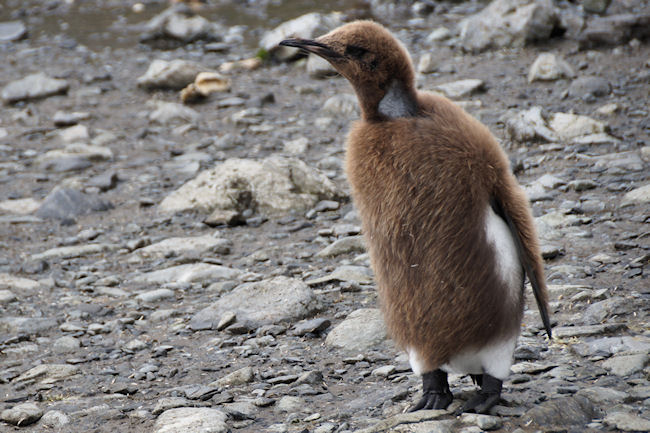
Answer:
(529, 267)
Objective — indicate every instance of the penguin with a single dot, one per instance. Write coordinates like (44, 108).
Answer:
(450, 233)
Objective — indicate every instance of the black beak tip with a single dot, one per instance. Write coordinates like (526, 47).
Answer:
(296, 43)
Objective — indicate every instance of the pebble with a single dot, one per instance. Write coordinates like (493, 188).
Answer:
(68, 203)
(65, 344)
(568, 126)
(167, 113)
(350, 244)
(549, 67)
(354, 274)
(33, 86)
(74, 251)
(563, 411)
(589, 86)
(180, 24)
(640, 195)
(156, 295)
(54, 419)
(310, 326)
(600, 395)
(23, 206)
(22, 414)
(290, 404)
(174, 74)
(65, 118)
(191, 420)
(236, 378)
(343, 104)
(188, 273)
(7, 296)
(362, 330)
(12, 31)
(626, 365)
(19, 284)
(528, 125)
(48, 373)
(197, 246)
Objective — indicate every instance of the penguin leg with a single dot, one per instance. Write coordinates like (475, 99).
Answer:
(487, 397)
(435, 391)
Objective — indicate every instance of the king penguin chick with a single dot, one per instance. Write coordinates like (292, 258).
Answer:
(449, 231)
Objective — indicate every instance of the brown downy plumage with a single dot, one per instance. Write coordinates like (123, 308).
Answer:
(424, 174)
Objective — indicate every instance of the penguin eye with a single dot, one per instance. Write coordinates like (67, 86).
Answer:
(355, 51)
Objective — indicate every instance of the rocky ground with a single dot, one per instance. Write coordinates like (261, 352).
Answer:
(199, 267)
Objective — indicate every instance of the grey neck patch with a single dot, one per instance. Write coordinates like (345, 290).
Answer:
(397, 102)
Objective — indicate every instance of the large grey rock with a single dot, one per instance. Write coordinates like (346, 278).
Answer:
(508, 23)
(549, 67)
(73, 251)
(564, 411)
(174, 74)
(238, 377)
(626, 365)
(273, 185)
(22, 414)
(68, 203)
(607, 346)
(587, 86)
(627, 421)
(264, 302)
(601, 395)
(615, 29)
(195, 246)
(33, 86)
(191, 420)
(188, 273)
(48, 373)
(640, 195)
(12, 31)
(18, 284)
(620, 162)
(26, 325)
(73, 157)
(308, 26)
(362, 330)
(179, 23)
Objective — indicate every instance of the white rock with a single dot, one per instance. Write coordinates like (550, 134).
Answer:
(439, 34)
(18, 284)
(33, 86)
(426, 65)
(639, 195)
(7, 296)
(156, 295)
(362, 330)
(191, 420)
(22, 414)
(273, 185)
(193, 246)
(262, 302)
(568, 126)
(188, 273)
(460, 88)
(528, 125)
(54, 419)
(174, 74)
(74, 251)
(74, 134)
(508, 23)
(344, 103)
(170, 112)
(549, 67)
(308, 26)
(297, 146)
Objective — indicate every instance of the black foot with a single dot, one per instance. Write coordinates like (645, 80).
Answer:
(488, 396)
(435, 392)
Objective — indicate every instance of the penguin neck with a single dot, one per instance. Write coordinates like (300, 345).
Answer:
(399, 100)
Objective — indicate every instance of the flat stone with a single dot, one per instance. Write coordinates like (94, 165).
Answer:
(73, 251)
(263, 302)
(290, 404)
(357, 274)
(383, 371)
(362, 330)
(12, 31)
(273, 185)
(627, 421)
(483, 422)
(549, 67)
(156, 295)
(33, 86)
(188, 273)
(27, 325)
(23, 206)
(620, 163)
(66, 203)
(22, 414)
(421, 417)
(602, 395)
(191, 420)
(460, 88)
(166, 113)
(196, 246)
(568, 126)
(236, 378)
(60, 160)
(640, 195)
(167, 403)
(350, 244)
(65, 344)
(310, 326)
(586, 330)
(18, 284)
(564, 411)
(626, 365)
(608, 346)
(174, 74)
(48, 373)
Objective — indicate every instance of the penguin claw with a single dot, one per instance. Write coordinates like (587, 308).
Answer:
(433, 400)
(480, 403)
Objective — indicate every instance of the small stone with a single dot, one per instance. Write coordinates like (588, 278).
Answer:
(19, 284)
(564, 411)
(73, 251)
(297, 146)
(188, 273)
(582, 184)
(220, 217)
(350, 244)
(66, 203)
(569, 126)
(64, 118)
(549, 67)
(155, 295)
(12, 31)
(227, 319)
(601, 395)
(589, 86)
(65, 344)
(342, 104)
(181, 25)
(23, 206)
(167, 113)
(427, 64)
(6, 297)
(48, 373)
(349, 273)
(627, 421)
(54, 419)
(639, 196)
(33, 86)
(197, 246)
(238, 377)
(596, 6)
(290, 404)
(384, 371)
(191, 420)
(460, 88)
(174, 74)
(22, 414)
(312, 326)
(167, 403)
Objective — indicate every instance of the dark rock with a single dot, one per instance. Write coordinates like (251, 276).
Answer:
(105, 181)
(66, 203)
(615, 29)
(312, 326)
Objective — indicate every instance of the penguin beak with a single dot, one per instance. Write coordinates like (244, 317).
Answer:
(311, 46)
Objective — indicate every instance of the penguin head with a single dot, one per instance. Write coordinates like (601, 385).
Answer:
(367, 55)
